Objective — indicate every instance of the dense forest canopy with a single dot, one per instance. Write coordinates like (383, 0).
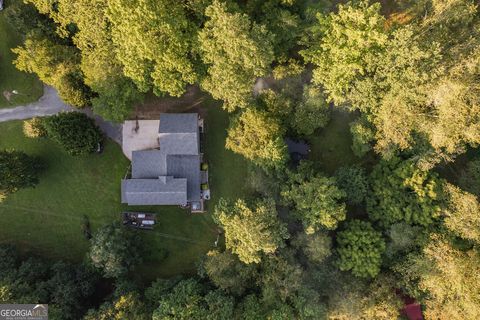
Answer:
(306, 244)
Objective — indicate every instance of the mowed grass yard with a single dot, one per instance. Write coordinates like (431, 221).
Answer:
(331, 147)
(47, 220)
(27, 85)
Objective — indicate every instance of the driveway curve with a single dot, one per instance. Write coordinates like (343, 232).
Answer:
(50, 104)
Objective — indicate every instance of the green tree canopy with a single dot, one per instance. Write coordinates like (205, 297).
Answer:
(448, 278)
(417, 84)
(227, 272)
(56, 65)
(363, 135)
(355, 299)
(360, 249)
(65, 287)
(404, 238)
(17, 171)
(74, 131)
(343, 43)
(189, 300)
(317, 247)
(462, 214)
(353, 180)
(469, 179)
(280, 279)
(89, 28)
(114, 250)
(154, 41)
(251, 230)
(236, 52)
(258, 137)
(127, 306)
(403, 192)
(311, 113)
(316, 199)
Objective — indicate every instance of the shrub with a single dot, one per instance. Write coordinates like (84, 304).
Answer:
(74, 131)
(204, 166)
(34, 128)
(204, 186)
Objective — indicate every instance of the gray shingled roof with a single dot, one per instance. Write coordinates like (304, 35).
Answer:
(179, 143)
(178, 123)
(167, 191)
(170, 175)
(148, 164)
(186, 167)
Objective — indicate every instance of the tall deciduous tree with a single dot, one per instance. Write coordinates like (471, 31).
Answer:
(189, 300)
(280, 279)
(462, 215)
(227, 272)
(403, 192)
(316, 199)
(236, 52)
(251, 230)
(258, 138)
(353, 299)
(353, 180)
(56, 65)
(17, 171)
(114, 250)
(448, 277)
(126, 306)
(102, 70)
(360, 249)
(317, 247)
(311, 113)
(66, 288)
(155, 42)
(342, 45)
(417, 84)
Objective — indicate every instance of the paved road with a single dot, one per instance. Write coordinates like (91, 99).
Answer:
(50, 104)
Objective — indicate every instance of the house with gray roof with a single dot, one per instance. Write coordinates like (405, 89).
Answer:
(167, 174)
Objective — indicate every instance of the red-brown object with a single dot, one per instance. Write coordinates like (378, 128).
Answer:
(413, 311)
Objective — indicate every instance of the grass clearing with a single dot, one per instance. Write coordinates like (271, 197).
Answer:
(28, 86)
(332, 145)
(48, 219)
(228, 171)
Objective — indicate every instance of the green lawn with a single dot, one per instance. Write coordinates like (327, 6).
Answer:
(228, 171)
(331, 146)
(28, 86)
(48, 219)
